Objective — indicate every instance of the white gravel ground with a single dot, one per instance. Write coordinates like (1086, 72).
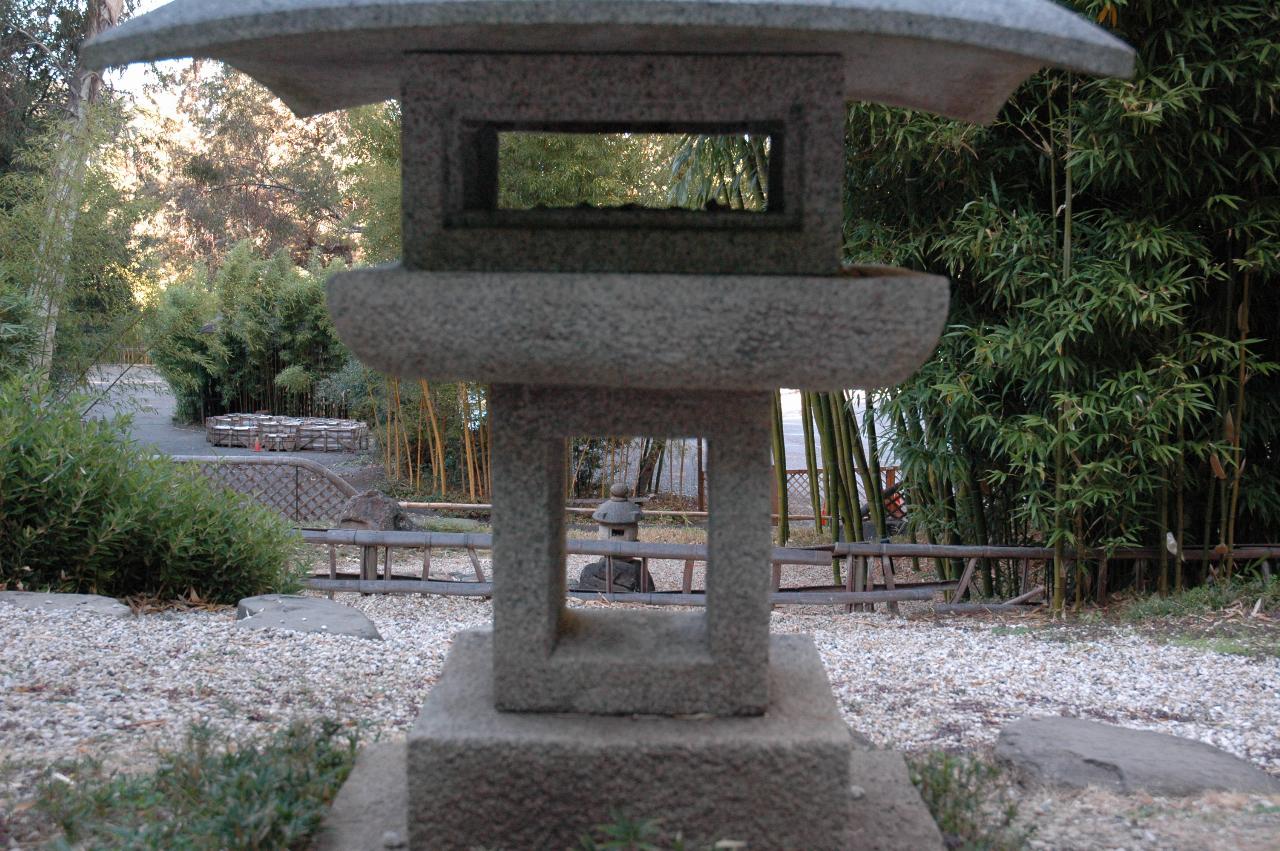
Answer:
(74, 684)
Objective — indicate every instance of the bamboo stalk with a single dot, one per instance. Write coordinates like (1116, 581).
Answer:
(1179, 512)
(468, 448)
(1237, 436)
(873, 463)
(875, 505)
(1162, 532)
(811, 458)
(780, 469)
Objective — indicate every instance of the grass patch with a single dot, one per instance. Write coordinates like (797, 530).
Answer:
(1208, 598)
(625, 834)
(453, 524)
(968, 799)
(265, 795)
(1231, 645)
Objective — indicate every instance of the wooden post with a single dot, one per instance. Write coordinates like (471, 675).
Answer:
(868, 576)
(687, 585)
(965, 578)
(849, 582)
(886, 565)
(333, 565)
(1037, 591)
(475, 564)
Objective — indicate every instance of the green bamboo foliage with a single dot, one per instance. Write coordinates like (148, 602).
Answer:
(1099, 383)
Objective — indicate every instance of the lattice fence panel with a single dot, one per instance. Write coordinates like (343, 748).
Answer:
(319, 502)
(799, 501)
(305, 496)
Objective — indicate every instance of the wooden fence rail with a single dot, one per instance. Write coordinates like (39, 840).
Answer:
(644, 550)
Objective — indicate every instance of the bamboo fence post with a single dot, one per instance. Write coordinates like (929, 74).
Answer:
(333, 565)
(886, 566)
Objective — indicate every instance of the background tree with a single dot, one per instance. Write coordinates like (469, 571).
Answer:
(66, 178)
(229, 163)
(104, 261)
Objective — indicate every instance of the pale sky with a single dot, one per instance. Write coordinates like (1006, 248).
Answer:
(133, 78)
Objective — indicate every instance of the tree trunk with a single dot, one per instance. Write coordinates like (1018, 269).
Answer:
(66, 183)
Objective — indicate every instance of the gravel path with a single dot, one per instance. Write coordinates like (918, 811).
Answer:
(75, 684)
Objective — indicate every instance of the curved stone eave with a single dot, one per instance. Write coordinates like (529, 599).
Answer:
(961, 58)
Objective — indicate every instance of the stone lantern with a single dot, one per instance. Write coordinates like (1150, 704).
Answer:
(618, 517)
(640, 322)
(619, 520)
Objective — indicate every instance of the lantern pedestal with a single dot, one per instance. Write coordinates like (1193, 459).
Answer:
(477, 777)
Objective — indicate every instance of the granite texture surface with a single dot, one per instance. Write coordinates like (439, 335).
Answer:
(479, 777)
(39, 601)
(551, 659)
(304, 614)
(1078, 753)
(456, 105)
(867, 328)
(961, 58)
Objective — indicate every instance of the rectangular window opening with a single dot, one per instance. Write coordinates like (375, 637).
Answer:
(716, 172)
(656, 476)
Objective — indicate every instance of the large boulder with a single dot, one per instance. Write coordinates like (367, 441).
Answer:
(106, 606)
(1077, 753)
(626, 576)
(373, 510)
(304, 614)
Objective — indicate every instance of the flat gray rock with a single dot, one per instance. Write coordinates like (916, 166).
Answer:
(1077, 753)
(304, 614)
(35, 601)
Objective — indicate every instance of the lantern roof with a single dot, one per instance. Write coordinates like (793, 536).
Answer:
(959, 58)
(618, 509)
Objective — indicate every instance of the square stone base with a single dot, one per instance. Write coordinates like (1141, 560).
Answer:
(479, 778)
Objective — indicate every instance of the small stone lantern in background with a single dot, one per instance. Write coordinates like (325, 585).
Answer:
(619, 520)
(631, 322)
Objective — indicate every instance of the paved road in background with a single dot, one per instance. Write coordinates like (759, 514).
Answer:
(140, 391)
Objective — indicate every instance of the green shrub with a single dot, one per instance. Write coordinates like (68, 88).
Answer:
(254, 335)
(264, 795)
(18, 334)
(1213, 597)
(967, 799)
(83, 509)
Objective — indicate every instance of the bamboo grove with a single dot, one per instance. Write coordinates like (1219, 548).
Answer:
(1108, 376)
